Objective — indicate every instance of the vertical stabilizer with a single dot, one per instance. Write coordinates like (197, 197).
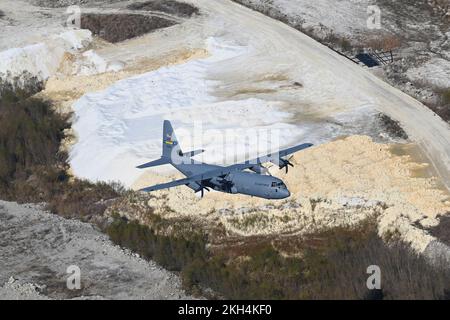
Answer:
(171, 147)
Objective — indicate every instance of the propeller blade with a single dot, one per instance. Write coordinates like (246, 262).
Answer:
(286, 164)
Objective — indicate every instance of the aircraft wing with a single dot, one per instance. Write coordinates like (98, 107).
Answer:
(199, 177)
(275, 157)
(168, 185)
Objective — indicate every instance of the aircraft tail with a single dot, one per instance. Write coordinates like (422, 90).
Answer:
(171, 150)
(171, 147)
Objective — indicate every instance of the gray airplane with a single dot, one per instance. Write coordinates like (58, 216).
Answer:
(230, 179)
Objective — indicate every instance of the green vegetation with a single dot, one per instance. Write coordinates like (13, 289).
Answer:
(333, 268)
(392, 127)
(119, 27)
(173, 7)
(443, 108)
(30, 134)
(446, 97)
(32, 169)
(173, 252)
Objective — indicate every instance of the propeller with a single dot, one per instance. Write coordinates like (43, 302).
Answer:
(286, 163)
(226, 184)
(260, 169)
(202, 191)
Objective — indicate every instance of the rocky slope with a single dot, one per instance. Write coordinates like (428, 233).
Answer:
(37, 248)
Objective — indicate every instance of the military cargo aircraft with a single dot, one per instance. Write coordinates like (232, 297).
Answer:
(230, 179)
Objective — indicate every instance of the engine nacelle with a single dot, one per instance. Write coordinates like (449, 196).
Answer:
(259, 169)
(283, 163)
(194, 186)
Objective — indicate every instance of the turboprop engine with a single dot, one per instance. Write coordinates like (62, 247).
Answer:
(259, 169)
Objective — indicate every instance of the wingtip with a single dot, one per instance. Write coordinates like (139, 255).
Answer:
(148, 189)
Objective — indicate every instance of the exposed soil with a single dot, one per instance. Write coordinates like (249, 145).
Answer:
(119, 27)
(180, 9)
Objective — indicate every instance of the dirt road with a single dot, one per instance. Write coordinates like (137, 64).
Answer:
(286, 46)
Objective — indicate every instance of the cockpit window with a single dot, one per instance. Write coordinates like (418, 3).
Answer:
(278, 184)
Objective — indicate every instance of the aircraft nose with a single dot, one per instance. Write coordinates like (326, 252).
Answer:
(286, 193)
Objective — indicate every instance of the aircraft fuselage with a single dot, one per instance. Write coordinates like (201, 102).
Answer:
(248, 177)
(248, 183)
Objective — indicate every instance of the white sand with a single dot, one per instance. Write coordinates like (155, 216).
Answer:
(42, 59)
(121, 127)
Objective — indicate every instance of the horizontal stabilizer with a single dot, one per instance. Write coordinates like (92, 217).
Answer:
(193, 153)
(154, 163)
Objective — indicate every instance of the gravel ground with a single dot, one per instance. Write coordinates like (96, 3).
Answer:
(37, 247)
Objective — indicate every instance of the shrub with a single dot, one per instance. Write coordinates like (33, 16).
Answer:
(181, 9)
(174, 253)
(392, 127)
(384, 43)
(30, 135)
(120, 27)
(446, 97)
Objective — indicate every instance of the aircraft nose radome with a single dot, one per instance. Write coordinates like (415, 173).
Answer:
(286, 193)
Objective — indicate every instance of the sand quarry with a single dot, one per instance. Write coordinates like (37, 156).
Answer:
(232, 64)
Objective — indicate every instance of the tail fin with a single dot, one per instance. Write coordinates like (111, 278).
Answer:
(171, 151)
(171, 146)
